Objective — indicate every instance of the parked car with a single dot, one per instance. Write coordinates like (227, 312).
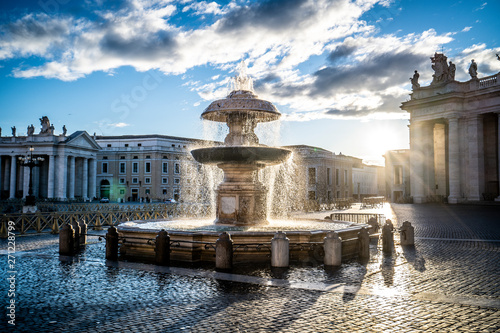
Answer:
(170, 201)
(104, 200)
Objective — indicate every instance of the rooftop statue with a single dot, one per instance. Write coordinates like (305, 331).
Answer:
(414, 81)
(31, 130)
(451, 71)
(473, 69)
(440, 68)
(46, 127)
(13, 130)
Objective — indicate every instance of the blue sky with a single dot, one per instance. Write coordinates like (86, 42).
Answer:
(337, 70)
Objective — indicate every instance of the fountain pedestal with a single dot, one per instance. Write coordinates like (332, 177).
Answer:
(241, 199)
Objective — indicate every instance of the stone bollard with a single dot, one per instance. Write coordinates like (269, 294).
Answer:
(162, 248)
(280, 250)
(387, 237)
(374, 225)
(407, 234)
(333, 249)
(364, 243)
(66, 240)
(389, 222)
(112, 244)
(77, 229)
(224, 252)
(83, 232)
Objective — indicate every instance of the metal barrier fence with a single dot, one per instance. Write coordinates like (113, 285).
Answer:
(54, 221)
(358, 217)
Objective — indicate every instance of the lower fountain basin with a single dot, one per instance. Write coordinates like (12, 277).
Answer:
(250, 244)
(241, 154)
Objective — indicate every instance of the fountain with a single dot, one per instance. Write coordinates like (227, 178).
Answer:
(241, 199)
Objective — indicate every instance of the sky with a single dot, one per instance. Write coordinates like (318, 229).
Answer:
(338, 70)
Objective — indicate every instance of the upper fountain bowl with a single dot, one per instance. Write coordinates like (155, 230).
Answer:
(242, 102)
(241, 154)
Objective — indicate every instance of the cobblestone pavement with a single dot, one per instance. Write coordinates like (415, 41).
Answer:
(449, 282)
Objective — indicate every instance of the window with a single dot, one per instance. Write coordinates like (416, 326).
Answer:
(126, 145)
(136, 157)
(177, 181)
(148, 191)
(164, 191)
(312, 175)
(329, 195)
(104, 157)
(398, 174)
(122, 191)
(109, 145)
(329, 176)
(135, 180)
(164, 167)
(147, 180)
(337, 182)
(122, 157)
(164, 180)
(177, 168)
(345, 177)
(135, 167)
(148, 156)
(105, 167)
(139, 144)
(148, 167)
(122, 167)
(121, 180)
(311, 195)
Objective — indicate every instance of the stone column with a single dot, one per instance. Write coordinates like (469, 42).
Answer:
(85, 178)
(61, 174)
(453, 160)
(26, 180)
(498, 155)
(416, 163)
(13, 176)
(92, 178)
(1, 175)
(428, 162)
(50, 177)
(475, 171)
(71, 180)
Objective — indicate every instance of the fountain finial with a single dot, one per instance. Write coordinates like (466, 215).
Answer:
(242, 81)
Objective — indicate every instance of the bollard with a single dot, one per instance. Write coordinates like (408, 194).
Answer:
(364, 243)
(280, 250)
(374, 225)
(83, 232)
(224, 252)
(333, 249)
(407, 234)
(387, 237)
(389, 222)
(66, 240)
(162, 248)
(112, 244)
(77, 229)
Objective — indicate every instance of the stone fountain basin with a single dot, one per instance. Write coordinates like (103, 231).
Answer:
(138, 237)
(241, 154)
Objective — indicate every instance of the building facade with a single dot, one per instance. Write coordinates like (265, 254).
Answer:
(365, 181)
(328, 176)
(148, 167)
(66, 172)
(454, 137)
(397, 175)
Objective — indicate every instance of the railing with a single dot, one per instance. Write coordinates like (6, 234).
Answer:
(53, 221)
(358, 217)
(488, 81)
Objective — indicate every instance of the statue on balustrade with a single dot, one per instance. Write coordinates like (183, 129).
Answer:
(451, 71)
(47, 128)
(13, 130)
(64, 130)
(31, 130)
(473, 69)
(414, 81)
(440, 68)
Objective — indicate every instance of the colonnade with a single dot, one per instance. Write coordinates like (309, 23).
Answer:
(456, 157)
(58, 176)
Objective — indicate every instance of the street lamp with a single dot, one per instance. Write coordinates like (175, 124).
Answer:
(31, 163)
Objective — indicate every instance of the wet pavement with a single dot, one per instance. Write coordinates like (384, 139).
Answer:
(448, 282)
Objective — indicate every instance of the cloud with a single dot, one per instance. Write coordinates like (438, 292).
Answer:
(466, 29)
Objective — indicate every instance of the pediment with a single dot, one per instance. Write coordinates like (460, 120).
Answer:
(82, 139)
